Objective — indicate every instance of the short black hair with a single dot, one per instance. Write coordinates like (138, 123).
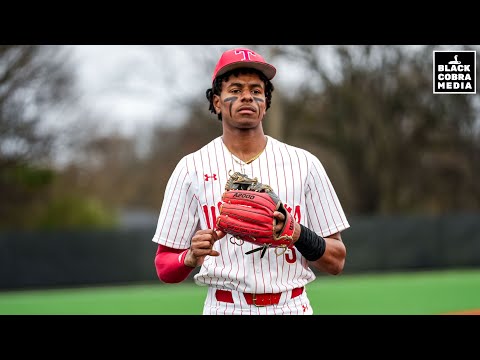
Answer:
(216, 88)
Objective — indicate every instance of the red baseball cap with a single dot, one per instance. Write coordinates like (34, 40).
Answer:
(243, 57)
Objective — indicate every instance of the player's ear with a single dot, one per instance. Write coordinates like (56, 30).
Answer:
(216, 104)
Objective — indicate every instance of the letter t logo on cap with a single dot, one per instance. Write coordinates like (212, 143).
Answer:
(246, 54)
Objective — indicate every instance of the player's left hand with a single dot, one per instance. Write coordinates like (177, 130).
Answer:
(280, 224)
(280, 220)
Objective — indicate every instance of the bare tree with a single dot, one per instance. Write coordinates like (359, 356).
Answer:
(32, 78)
(401, 147)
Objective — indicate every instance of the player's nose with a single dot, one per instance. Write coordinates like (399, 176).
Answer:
(247, 95)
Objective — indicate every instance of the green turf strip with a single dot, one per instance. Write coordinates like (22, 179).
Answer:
(420, 293)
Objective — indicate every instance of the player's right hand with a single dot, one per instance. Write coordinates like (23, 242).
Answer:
(202, 245)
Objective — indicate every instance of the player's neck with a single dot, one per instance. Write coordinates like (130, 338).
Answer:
(247, 147)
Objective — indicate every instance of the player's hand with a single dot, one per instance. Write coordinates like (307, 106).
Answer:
(280, 220)
(202, 245)
(279, 225)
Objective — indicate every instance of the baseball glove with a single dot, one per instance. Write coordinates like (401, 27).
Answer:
(247, 214)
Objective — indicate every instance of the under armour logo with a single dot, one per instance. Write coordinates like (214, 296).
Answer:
(246, 54)
(214, 177)
(305, 307)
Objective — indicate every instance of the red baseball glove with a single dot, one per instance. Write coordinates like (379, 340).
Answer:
(247, 214)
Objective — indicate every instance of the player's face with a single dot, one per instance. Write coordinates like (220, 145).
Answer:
(242, 101)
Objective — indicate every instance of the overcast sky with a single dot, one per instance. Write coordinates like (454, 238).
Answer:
(132, 85)
(128, 86)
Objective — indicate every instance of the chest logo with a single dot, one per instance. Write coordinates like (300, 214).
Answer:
(213, 176)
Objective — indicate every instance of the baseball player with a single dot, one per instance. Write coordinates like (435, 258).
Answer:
(187, 235)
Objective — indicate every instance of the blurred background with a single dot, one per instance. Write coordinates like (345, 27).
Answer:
(89, 135)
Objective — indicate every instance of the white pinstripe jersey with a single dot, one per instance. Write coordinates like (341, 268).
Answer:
(193, 196)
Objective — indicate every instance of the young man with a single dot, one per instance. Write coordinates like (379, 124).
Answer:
(240, 283)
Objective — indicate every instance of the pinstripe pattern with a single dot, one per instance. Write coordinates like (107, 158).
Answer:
(193, 196)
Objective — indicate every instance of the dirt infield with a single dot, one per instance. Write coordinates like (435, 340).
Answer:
(464, 312)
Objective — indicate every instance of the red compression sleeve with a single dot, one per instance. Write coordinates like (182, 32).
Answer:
(170, 266)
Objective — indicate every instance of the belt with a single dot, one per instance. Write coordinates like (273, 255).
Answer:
(255, 299)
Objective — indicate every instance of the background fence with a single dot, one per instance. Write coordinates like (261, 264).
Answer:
(374, 244)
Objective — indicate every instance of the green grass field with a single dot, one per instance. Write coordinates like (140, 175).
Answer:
(419, 293)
